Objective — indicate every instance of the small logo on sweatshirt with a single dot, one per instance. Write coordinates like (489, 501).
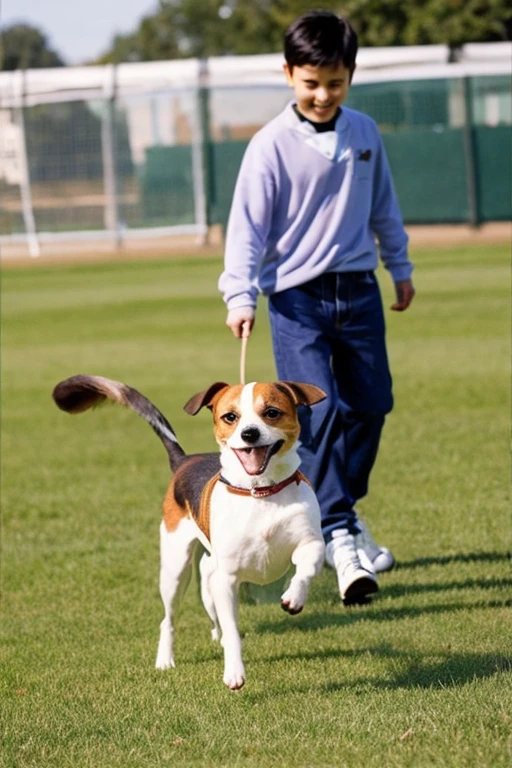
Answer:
(364, 155)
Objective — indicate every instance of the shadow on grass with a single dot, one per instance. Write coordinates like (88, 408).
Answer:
(399, 590)
(445, 669)
(344, 617)
(470, 557)
(405, 670)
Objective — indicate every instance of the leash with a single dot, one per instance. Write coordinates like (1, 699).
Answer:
(243, 355)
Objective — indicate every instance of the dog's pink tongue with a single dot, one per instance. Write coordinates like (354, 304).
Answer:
(253, 461)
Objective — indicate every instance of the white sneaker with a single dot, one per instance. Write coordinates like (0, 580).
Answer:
(381, 558)
(356, 579)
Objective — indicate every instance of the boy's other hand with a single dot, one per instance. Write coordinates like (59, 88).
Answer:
(404, 295)
(241, 321)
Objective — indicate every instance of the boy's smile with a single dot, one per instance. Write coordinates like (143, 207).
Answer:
(319, 90)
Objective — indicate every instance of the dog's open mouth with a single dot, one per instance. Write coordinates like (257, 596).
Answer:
(255, 459)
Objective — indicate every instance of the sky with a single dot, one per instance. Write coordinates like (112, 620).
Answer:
(78, 30)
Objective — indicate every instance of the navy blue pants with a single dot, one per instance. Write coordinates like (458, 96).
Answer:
(331, 332)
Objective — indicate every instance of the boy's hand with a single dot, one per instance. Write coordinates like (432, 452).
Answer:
(404, 295)
(241, 321)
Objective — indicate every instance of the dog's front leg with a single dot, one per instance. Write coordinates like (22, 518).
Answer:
(308, 559)
(224, 591)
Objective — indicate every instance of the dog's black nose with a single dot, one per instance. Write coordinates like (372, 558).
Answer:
(250, 434)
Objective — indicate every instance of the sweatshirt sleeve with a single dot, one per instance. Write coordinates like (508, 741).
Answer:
(386, 220)
(248, 228)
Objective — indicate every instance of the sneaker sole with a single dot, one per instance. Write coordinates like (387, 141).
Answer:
(358, 593)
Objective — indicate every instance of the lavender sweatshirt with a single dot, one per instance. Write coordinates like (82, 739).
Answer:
(306, 203)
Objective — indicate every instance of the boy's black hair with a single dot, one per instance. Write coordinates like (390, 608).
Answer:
(322, 39)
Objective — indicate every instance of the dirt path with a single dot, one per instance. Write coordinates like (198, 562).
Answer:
(104, 250)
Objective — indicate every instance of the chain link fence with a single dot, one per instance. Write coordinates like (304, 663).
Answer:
(143, 150)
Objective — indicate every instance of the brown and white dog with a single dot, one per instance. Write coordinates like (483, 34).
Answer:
(249, 506)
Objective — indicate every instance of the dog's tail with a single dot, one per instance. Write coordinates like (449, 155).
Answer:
(79, 393)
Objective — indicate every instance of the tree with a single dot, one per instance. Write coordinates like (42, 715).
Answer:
(26, 47)
(201, 28)
(459, 22)
(424, 22)
(155, 39)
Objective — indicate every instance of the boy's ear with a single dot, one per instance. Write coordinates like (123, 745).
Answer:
(288, 73)
(352, 70)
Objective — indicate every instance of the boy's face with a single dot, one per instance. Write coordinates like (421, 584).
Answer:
(319, 90)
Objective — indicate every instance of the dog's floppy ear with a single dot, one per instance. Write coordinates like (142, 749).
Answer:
(196, 402)
(302, 394)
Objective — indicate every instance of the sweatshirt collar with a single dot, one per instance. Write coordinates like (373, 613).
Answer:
(330, 144)
(305, 127)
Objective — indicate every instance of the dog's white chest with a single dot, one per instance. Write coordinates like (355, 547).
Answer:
(255, 538)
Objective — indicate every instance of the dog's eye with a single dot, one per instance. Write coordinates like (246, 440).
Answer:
(272, 413)
(229, 417)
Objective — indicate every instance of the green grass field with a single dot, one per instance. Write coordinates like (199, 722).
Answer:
(422, 677)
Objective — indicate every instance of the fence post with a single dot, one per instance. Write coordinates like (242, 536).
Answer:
(198, 165)
(206, 144)
(25, 190)
(469, 156)
(108, 149)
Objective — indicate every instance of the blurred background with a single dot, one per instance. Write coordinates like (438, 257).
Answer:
(142, 136)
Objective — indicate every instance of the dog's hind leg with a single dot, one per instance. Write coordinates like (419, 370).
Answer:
(206, 595)
(176, 551)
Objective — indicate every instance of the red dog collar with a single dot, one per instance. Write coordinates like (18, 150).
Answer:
(263, 491)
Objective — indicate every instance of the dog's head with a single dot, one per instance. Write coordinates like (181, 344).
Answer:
(256, 426)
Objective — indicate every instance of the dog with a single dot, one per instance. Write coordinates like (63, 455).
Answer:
(248, 505)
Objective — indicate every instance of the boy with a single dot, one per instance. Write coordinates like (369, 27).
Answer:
(313, 191)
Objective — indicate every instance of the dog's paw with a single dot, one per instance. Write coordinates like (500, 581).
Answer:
(164, 663)
(292, 610)
(292, 601)
(234, 677)
(164, 657)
